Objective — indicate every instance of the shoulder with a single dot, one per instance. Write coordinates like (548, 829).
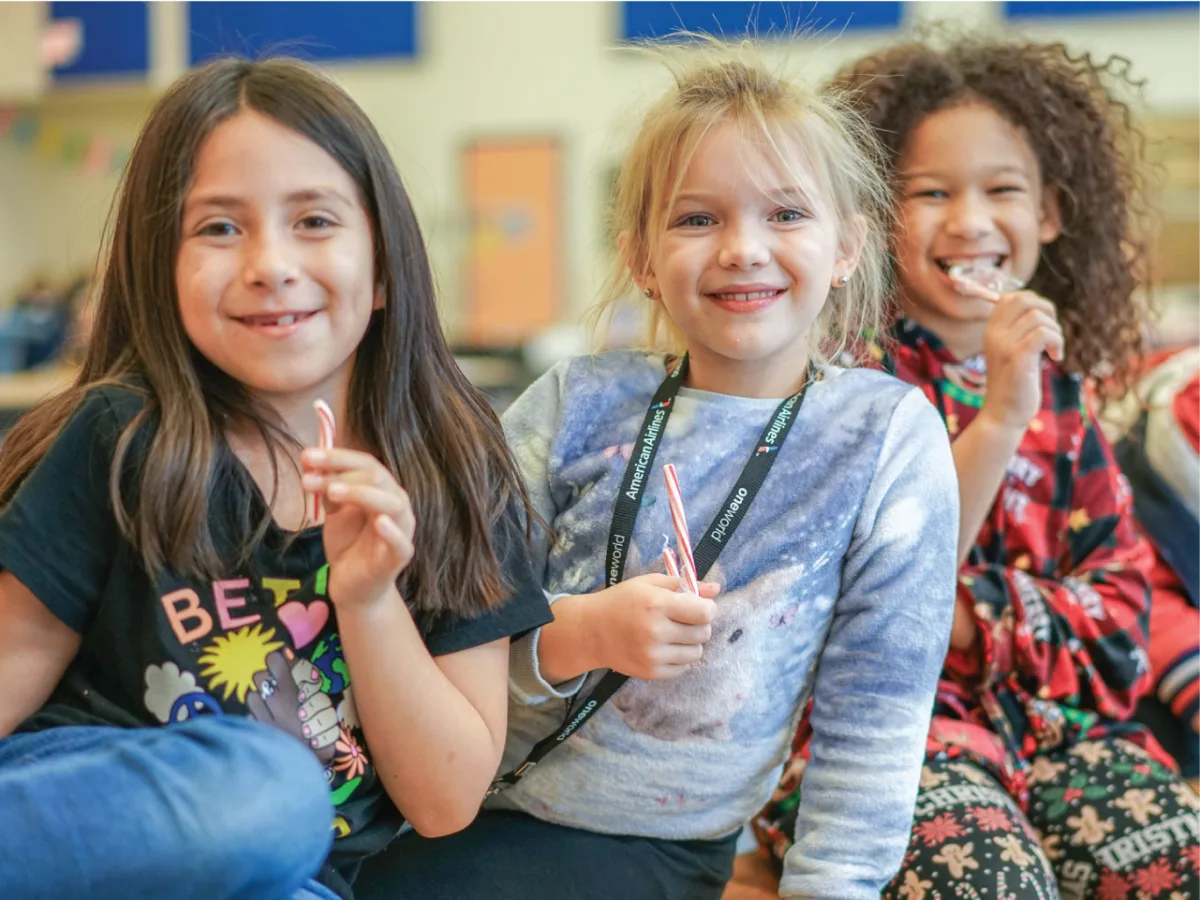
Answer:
(585, 388)
(524, 609)
(615, 372)
(896, 403)
(102, 415)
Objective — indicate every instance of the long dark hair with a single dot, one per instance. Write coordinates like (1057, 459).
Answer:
(409, 404)
(1089, 151)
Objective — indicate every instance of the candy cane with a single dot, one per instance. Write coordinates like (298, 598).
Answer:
(687, 564)
(670, 563)
(327, 432)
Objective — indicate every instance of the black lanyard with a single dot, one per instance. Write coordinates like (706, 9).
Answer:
(629, 501)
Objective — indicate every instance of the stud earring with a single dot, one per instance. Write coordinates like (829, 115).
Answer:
(841, 282)
(648, 292)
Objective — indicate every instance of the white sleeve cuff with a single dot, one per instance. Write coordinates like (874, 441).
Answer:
(525, 676)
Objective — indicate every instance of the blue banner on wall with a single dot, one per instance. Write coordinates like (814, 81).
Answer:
(1074, 9)
(319, 30)
(116, 38)
(643, 19)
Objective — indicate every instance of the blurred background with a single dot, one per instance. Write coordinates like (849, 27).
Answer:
(507, 120)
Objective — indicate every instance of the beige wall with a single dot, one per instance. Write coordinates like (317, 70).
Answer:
(499, 68)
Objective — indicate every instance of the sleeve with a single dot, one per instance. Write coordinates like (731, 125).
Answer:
(531, 425)
(1080, 633)
(525, 609)
(59, 535)
(876, 678)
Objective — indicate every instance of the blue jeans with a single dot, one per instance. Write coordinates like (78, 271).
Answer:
(218, 807)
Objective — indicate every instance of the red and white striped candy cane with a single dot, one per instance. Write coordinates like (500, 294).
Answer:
(687, 564)
(669, 561)
(327, 432)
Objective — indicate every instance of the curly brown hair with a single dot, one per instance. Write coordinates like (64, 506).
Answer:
(1089, 152)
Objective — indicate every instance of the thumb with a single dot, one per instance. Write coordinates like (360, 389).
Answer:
(654, 579)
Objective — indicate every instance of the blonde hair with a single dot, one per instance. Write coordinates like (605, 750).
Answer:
(718, 83)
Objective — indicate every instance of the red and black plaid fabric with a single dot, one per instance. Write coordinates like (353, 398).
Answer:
(1057, 580)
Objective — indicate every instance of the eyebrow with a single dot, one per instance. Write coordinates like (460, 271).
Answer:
(305, 195)
(789, 193)
(991, 172)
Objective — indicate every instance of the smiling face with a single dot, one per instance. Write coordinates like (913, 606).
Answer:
(275, 271)
(970, 191)
(744, 266)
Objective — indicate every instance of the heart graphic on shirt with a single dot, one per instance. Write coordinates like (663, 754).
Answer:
(304, 622)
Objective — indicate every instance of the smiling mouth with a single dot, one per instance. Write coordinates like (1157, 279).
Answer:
(946, 263)
(276, 319)
(746, 298)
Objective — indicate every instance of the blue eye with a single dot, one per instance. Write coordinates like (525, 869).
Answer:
(790, 215)
(696, 220)
(932, 194)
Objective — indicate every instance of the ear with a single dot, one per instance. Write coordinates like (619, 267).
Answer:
(643, 275)
(1050, 226)
(850, 250)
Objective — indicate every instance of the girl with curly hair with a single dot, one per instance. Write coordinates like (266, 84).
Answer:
(1016, 253)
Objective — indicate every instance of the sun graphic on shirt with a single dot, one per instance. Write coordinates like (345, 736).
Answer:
(232, 660)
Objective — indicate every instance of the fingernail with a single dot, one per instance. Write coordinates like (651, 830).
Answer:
(337, 489)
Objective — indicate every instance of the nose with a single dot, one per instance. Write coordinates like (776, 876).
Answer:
(267, 263)
(743, 247)
(969, 216)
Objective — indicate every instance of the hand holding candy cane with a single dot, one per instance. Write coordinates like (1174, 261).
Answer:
(369, 522)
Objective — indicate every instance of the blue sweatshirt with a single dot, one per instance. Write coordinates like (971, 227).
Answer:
(839, 585)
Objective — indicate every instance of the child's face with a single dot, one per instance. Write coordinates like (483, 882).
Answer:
(742, 274)
(970, 188)
(275, 273)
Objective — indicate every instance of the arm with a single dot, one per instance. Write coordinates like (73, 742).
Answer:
(35, 649)
(876, 677)
(433, 707)
(641, 627)
(1079, 632)
(435, 727)
(58, 540)
(1022, 327)
(982, 453)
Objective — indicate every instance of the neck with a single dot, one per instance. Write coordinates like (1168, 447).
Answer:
(963, 339)
(300, 418)
(765, 380)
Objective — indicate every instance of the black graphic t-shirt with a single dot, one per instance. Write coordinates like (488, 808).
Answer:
(259, 641)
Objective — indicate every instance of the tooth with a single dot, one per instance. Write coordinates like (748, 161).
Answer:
(287, 320)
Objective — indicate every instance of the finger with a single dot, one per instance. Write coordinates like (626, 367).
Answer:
(971, 289)
(399, 543)
(1012, 306)
(1051, 341)
(709, 589)
(1036, 315)
(372, 500)
(1036, 323)
(1056, 345)
(663, 671)
(691, 635)
(339, 459)
(1034, 343)
(666, 582)
(680, 654)
(317, 481)
(688, 609)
